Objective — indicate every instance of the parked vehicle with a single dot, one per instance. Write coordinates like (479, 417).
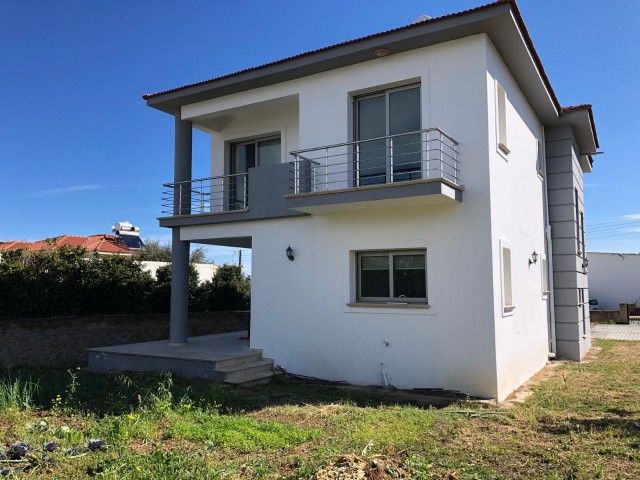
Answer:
(593, 304)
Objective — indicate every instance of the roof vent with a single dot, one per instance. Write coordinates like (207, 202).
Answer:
(421, 18)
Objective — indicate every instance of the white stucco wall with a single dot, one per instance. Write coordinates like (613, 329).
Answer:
(614, 278)
(300, 314)
(206, 271)
(517, 219)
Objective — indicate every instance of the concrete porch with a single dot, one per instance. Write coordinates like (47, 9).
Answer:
(224, 358)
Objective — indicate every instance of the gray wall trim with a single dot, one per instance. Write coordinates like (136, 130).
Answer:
(384, 192)
(564, 176)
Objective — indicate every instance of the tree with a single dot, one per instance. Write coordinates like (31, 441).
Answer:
(155, 251)
(162, 289)
(230, 289)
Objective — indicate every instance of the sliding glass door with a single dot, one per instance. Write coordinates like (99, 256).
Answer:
(395, 159)
(245, 155)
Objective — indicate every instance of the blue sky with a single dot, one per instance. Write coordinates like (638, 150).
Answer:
(79, 150)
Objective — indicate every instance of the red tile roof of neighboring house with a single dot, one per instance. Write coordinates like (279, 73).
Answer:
(100, 243)
(517, 16)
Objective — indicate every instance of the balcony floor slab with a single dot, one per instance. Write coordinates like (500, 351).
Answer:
(372, 197)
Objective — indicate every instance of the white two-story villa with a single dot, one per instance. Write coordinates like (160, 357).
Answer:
(413, 201)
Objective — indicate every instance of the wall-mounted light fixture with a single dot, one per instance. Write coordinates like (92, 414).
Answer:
(585, 263)
(290, 253)
(534, 258)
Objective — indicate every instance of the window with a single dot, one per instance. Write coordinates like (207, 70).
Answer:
(502, 119)
(581, 305)
(545, 276)
(245, 155)
(576, 199)
(540, 159)
(392, 276)
(584, 245)
(388, 160)
(507, 286)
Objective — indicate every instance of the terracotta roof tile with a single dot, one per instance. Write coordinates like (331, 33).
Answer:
(100, 243)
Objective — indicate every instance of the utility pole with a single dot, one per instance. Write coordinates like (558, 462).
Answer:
(240, 260)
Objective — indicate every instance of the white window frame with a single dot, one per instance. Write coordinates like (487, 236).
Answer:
(544, 278)
(540, 160)
(501, 121)
(506, 279)
(391, 299)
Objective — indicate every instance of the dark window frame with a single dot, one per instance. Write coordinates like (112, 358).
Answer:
(390, 299)
(386, 93)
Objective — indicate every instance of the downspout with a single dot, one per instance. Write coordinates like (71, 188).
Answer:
(549, 253)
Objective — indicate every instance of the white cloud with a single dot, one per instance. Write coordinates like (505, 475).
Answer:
(633, 216)
(66, 190)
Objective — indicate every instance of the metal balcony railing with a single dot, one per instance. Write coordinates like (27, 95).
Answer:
(206, 195)
(420, 155)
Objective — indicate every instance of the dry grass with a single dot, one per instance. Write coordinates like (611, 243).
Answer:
(574, 421)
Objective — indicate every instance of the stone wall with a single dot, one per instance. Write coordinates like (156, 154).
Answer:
(62, 341)
(605, 316)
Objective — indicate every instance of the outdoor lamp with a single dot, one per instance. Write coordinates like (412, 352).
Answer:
(534, 258)
(585, 262)
(290, 253)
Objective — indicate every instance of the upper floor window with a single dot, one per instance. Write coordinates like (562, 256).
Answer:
(502, 119)
(258, 152)
(384, 114)
(254, 153)
(540, 158)
(579, 223)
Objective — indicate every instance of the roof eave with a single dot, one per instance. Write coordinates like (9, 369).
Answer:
(407, 38)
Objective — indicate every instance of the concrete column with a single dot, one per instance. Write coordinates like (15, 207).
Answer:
(179, 319)
(182, 165)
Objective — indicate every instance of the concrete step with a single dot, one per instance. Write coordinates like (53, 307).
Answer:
(123, 362)
(237, 374)
(250, 381)
(238, 360)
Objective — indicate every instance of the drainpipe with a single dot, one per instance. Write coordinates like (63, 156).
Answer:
(549, 252)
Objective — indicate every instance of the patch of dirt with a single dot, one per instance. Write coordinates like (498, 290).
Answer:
(521, 394)
(353, 467)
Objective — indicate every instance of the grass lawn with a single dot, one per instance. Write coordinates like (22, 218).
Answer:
(581, 423)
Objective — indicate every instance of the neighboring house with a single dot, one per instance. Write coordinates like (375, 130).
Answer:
(102, 245)
(429, 186)
(614, 278)
(206, 271)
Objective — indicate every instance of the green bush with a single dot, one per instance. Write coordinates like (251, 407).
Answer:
(230, 289)
(65, 282)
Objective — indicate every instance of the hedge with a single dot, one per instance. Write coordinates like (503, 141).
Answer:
(66, 282)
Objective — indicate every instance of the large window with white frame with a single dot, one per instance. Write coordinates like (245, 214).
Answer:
(392, 276)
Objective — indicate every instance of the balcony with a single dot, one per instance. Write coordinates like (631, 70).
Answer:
(255, 195)
(407, 169)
